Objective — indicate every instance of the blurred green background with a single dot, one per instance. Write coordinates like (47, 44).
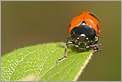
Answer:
(30, 23)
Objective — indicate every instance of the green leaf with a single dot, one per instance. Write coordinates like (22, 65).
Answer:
(38, 62)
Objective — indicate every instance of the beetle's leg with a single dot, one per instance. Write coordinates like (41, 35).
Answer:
(69, 42)
(95, 47)
(61, 45)
(65, 54)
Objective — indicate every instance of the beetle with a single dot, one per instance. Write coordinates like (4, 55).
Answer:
(83, 32)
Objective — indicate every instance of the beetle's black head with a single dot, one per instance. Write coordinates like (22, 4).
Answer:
(82, 36)
(83, 29)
